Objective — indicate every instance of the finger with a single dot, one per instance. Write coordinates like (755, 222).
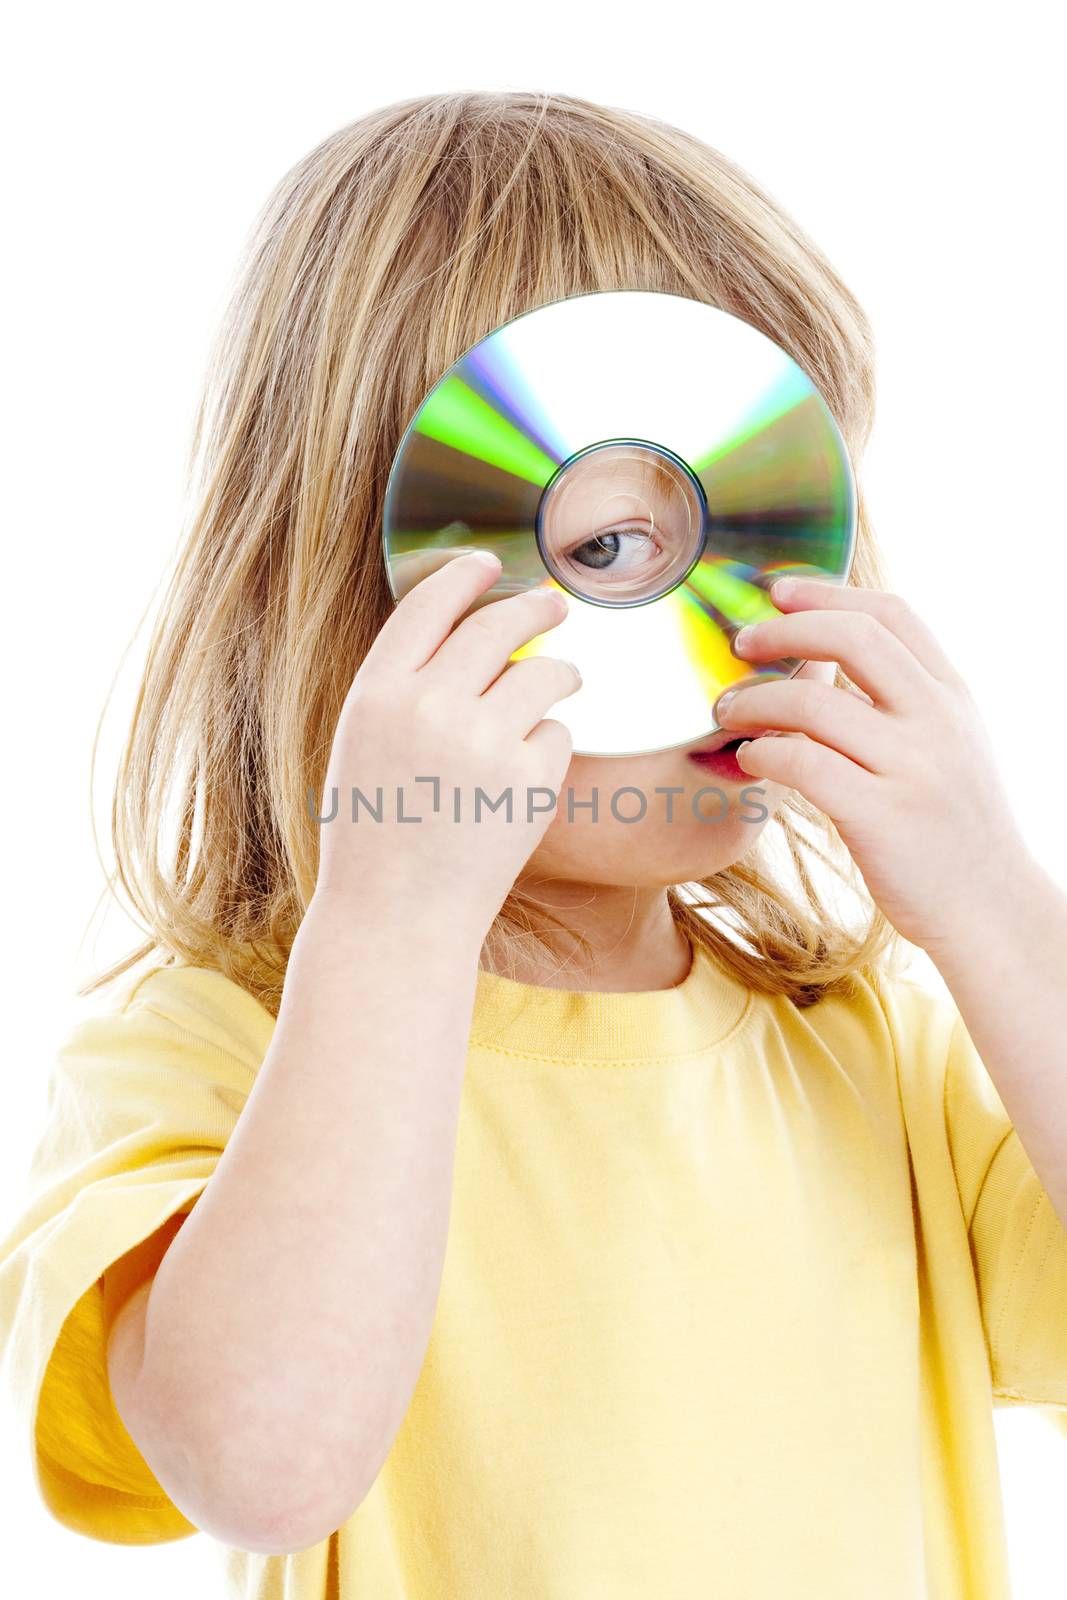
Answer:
(814, 669)
(410, 567)
(428, 612)
(477, 651)
(829, 780)
(551, 739)
(833, 716)
(875, 659)
(525, 690)
(891, 610)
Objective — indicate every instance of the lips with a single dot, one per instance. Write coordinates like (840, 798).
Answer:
(724, 737)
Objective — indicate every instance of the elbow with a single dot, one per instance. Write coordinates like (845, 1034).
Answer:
(246, 1489)
(279, 1514)
(277, 1531)
(271, 1486)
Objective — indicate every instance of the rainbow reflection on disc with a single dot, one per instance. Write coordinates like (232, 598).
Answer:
(659, 459)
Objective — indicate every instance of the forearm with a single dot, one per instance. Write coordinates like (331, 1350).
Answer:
(1006, 967)
(287, 1323)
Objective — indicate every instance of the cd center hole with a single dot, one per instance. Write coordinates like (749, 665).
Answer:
(620, 524)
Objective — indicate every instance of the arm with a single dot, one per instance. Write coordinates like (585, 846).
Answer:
(267, 1367)
(126, 1287)
(906, 771)
(1005, 965)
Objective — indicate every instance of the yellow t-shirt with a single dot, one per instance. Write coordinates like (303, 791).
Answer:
(729, 1292)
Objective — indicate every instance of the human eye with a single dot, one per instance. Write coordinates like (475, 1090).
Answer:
(617, 551)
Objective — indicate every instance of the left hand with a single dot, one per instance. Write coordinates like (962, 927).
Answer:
(905, 769)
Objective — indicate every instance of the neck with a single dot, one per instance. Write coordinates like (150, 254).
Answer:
(630, 939)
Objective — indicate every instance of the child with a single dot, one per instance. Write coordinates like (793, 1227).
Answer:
(568, 1207)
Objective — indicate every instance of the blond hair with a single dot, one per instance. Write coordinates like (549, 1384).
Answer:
(378, 260)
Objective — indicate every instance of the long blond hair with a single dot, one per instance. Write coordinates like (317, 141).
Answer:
(380, 258)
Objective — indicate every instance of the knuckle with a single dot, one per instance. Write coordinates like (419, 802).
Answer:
(871, 628)
(896, 608)
(480, 624)
(558, 676)
(804, 759)
(817, 699)
(373, 694)
(432, 707)
(419, 601)
(557, 738)
(483, 742)
(964, 694)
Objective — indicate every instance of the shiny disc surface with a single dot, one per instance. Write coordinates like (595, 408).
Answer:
(660, 460)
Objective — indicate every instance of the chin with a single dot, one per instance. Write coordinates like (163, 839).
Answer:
(652, 858)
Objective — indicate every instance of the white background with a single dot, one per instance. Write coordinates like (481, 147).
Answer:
(920, 146)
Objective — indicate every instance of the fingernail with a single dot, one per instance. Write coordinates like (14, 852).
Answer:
(724, 700)
(487, 557)
(743, 637)
(782, 588)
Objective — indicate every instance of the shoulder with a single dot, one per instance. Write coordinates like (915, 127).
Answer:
(911, 1006)
(176, 1010)
(885, 1022)
(881, 1005)
(925, 1034)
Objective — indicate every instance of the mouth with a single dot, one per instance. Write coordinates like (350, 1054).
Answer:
(724, 740)
(719, 755)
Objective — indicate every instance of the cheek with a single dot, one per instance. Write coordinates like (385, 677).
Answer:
(658, 849)
(604, 775)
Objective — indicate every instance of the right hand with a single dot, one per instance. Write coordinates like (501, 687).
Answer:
(433, 699)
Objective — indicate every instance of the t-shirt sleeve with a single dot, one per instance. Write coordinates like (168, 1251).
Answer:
(1018, 1244)
(142, 1097)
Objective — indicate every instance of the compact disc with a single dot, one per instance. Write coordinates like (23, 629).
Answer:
(658, 459)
